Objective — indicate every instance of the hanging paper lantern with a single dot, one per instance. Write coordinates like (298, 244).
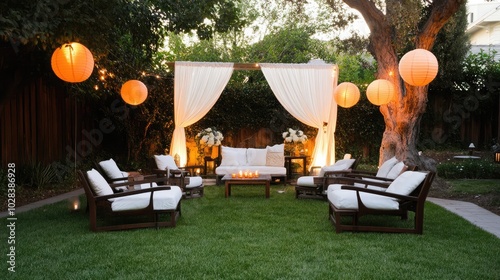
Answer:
(418, 67)
(346, 94)
(72, 62)
(380, 92)
(134, 92)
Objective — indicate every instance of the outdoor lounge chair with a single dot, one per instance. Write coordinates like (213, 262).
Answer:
(192, 186)
(147, 200)
(407, 192)
(313, 186)
(112, 173)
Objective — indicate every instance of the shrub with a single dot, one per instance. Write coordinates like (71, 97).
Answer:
(469, 169)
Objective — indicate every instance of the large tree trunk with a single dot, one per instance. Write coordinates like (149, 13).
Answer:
(403, 114)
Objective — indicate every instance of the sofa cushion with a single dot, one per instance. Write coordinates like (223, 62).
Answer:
(98, 184)
(406, 183)
(263, 169)
(386, 167)
(256, 156)
(275, 155)
(233, 156)
(165, 161)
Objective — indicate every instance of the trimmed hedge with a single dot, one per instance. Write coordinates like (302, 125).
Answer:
(469, 169)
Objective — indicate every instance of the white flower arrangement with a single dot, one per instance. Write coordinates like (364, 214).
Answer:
(294, 136)
(209, 137)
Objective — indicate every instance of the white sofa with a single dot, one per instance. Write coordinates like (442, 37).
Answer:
(269, 160)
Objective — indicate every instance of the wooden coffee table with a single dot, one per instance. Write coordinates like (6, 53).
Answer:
(263, 179)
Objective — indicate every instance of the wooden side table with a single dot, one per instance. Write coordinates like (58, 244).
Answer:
(288, 165)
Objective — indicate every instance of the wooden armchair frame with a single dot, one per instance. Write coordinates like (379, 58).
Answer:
(414, 202)
(178, 177)
(101, 206)
(320, 182)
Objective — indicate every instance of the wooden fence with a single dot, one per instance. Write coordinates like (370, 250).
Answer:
(40, 123)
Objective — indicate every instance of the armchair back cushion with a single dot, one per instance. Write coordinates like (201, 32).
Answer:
(386, 167)
(98, 184)
(339, 165)
(165, 161)
(111, 169)
(406, 183)
(396, 170)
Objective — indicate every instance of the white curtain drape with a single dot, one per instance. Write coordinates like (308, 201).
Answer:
(306, 92)
(197, 86)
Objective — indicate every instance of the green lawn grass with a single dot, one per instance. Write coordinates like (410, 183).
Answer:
(475, 186)
(247, 237)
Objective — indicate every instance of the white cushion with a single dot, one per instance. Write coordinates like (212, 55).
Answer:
(98, 184)
(233, 156)
(347, 199)
(256, 156)
(194, 181)
(396, 170)
(111, 169)
(165, 161)
(266, 169)
(386, 167)
(275, 155)
(368, 186)
(339, 165)
(306, 181)
(162, 200)
(407, 182)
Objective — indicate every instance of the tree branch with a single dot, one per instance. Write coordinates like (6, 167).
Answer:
(441, 11)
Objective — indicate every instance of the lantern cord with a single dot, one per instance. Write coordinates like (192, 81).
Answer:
(76, 108)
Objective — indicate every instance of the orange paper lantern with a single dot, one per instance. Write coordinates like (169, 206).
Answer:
(72, 62)
(380, 92)
(418, 67)
(346, 94)
(134, 92)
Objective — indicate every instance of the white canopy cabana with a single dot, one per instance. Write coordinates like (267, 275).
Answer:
(197, 86)
(304, 90)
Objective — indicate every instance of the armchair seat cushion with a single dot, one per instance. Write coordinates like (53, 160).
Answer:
(306, 181)
(347, 199)
(194, 182)
(162, 200)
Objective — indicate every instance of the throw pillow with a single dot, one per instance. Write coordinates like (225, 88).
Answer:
(275, 155)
